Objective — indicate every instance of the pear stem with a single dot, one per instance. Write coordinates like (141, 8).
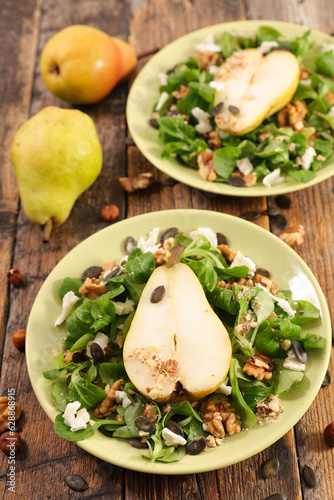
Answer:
(47, 231)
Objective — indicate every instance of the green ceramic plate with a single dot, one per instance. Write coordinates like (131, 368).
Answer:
(288, 270)
(145, 92)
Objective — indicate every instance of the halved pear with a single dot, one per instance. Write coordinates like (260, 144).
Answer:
(178, 340)
(254, 87)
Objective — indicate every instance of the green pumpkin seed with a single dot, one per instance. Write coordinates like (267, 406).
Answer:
(309, 476)
(76, 483)
(328, 379)
(270, 467)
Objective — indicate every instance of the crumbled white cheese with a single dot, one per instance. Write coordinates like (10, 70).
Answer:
(122, 398)
(163, 78)
(208, 45)
(284, 304)
(203, 118)
(124, 307)
(162, 99)
(172, 439)
(241, 260)
(331, 113)
(224, 388)
(151, 244)
(213, 69)
(100, 339)
(273, 178)
(68, 300)
(286, 344)
(75, 419)
(219, 86)
(306, 81)
(292, 363)
(308, 157)
(267, 45)
(326, 47)
(208, 233)
(245, 166)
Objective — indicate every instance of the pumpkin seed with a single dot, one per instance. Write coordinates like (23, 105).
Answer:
(113, 273)
(236, 182)
(105, 469)
(96, 352)
(283, 201)
(270, 467)
(169, 182)
(129, 244)
(310, 476)
(68, 380)
(263, 272)
(328, 379)
(171, 70)
(250, 215)
(91, 272)
(196, 446)
(234, 110)
(276, 496)
(76, 482)
(175, 255)
(299, 351)
(221, 239)
(104, 431)
(158, 294)
(144, 424)
(169, 233)
(217, 108)
(271, 212)
(78, 357)
(175, 427)
(280, 221)
(154, 123)
(179, 389)
(138, 443)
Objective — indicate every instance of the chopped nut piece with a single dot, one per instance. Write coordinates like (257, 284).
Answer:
(262, 136)
(214, 140)
(141, 181)
(93, 288)
(250, 179)
(272, 407)
(4, 410)
(14, 276)
(293, 115)
(227, 252)
(68, 357)
(206, 168)
(293, 235)
(182, 92)
(320, 158)
(161, 256)
(259, 366)
(207, 59)
(219, 418)
(120, 339)
(330, 97)
(108, 405)
(304, 73)
(109, 212)
(263, 280)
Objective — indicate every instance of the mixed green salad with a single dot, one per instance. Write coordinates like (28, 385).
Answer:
(281, 146)
(90, 385)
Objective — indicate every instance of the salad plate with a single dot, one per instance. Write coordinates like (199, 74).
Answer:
(266, 250)
(144, 95)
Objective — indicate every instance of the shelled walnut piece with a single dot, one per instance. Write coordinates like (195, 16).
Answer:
(259, 366)
(108, 405)
(293, 235)
(93, 288)
(4, 409)
(141, 181)
(293, 115)
(219, 419)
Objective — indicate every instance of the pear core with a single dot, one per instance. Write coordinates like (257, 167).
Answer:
(176, 348)
(254, 87)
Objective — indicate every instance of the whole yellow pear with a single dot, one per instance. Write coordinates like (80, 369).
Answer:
(80, 64)
(56, 156)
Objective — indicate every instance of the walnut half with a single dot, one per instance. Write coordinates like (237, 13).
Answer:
(108, 405)
(293, 235)
(4, 410)
(219, 418)
(259, 366)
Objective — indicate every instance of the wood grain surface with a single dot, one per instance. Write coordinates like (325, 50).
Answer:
(45, 459)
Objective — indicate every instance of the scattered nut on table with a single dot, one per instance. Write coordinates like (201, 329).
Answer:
(19, 338)
(10, 441)
(109, 212)
(14, 276)
(329, 434)
(293, 235)
(141, 181)
(4, 410)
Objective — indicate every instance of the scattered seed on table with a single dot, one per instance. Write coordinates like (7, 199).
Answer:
(169, 182)
(271, 212)
(263, 272)
(236, 182)
(299, 351)
(310, 476)
(276, 496)
(270, 467)
(76, 482)
(250, 215)
(91, 272)
(280, 221)
(105, 469)
(328, 379)
(283, 201)
(158, 294)
(221, 239)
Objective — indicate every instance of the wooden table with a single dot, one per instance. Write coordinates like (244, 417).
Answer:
(45, 459)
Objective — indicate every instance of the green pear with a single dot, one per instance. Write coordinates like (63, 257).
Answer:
(177, 342)
(56, 156)
(253, 87)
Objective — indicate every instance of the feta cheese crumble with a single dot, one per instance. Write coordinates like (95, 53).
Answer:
(124, 307)
(162, 99)
(151, 244)
(308, 157)
(273, 178)
(68, 300)
(331, 113)
(213, 69)
(219, 86)
(75, 419)
(172, 439)
(267, 45)
(163, 78)
(241, 260)
(245, 166)
(208, 45)
(292, 363)
(100, 339)
(208, 233)
(327, 47)
(224, 388)
(203, 118)
(122, 398)
(284, 304)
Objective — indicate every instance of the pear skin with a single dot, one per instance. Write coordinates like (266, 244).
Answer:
(179, 340)
(128, 59)
(56, 155)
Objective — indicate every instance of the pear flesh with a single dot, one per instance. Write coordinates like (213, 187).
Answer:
(56, 156)
(179, 340)
(255, 86)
